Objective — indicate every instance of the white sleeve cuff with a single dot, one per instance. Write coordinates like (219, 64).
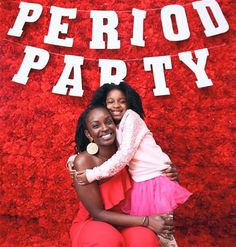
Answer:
(90, 175)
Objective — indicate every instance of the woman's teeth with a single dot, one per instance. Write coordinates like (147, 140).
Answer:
(106, 137)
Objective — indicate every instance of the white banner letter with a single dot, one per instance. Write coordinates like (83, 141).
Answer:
(99, 28)
(181, 22)
(210, 28)
(157, 64)
(199, 67)
(72, 62)
(55, 27)
(139, 16)
(24, 17)
(107, 65)
(29, 62)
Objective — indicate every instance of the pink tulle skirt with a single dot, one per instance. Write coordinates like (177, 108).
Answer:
(155, 196)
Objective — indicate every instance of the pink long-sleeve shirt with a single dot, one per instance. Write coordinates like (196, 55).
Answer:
(137, 149)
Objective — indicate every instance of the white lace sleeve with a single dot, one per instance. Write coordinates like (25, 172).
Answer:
(133, 129)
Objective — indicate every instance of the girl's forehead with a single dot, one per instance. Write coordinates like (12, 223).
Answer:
(115, 93)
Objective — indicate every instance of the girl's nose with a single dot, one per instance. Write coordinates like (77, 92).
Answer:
(116, 104)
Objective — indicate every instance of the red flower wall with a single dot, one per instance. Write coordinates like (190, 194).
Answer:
(194, 126)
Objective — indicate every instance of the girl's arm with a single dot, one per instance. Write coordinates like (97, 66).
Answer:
(91, 198)
(133, 131)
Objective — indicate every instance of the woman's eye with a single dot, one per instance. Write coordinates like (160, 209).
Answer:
(95, 126)
(109, 121)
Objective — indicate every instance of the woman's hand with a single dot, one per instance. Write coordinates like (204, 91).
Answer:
(161, 224)
(171, 172)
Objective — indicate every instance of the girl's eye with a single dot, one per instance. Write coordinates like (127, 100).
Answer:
(109, 102)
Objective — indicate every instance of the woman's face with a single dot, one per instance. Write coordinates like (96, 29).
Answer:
(101, 127)
(117, 104)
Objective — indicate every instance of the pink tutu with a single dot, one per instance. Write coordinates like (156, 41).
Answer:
(155, 196)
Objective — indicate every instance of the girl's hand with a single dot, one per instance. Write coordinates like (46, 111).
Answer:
(171, 172)
(161, 224)
(81, 177)
(70, 166)
(72, 171)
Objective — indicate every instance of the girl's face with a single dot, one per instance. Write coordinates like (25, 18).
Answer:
(100, 127)
(117, 104)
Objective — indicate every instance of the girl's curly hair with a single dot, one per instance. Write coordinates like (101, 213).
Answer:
(133, 99)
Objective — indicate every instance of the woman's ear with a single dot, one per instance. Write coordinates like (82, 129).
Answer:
(88, 135)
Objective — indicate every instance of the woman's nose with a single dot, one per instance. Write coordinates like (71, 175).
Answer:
(104, 127)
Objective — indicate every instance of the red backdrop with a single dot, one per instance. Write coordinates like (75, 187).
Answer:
(194, 126)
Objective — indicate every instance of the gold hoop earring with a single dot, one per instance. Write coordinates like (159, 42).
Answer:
(92, 148)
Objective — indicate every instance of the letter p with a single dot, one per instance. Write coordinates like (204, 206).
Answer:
(24, 16)
(31, 55)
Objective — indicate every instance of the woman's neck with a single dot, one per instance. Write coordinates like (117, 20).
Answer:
(106, 152)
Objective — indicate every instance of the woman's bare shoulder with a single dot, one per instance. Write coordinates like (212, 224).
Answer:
(83, 161)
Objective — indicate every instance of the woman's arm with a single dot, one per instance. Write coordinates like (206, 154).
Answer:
(91, 198)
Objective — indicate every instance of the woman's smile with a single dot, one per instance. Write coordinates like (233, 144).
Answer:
(107, 137)
(101, 127)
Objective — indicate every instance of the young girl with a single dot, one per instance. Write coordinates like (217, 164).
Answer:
(152, 192)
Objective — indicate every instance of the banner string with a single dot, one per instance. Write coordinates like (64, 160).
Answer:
(119, 11)
(127, 60)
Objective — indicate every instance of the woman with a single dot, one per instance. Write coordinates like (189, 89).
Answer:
(99, 221)
(152, 193)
